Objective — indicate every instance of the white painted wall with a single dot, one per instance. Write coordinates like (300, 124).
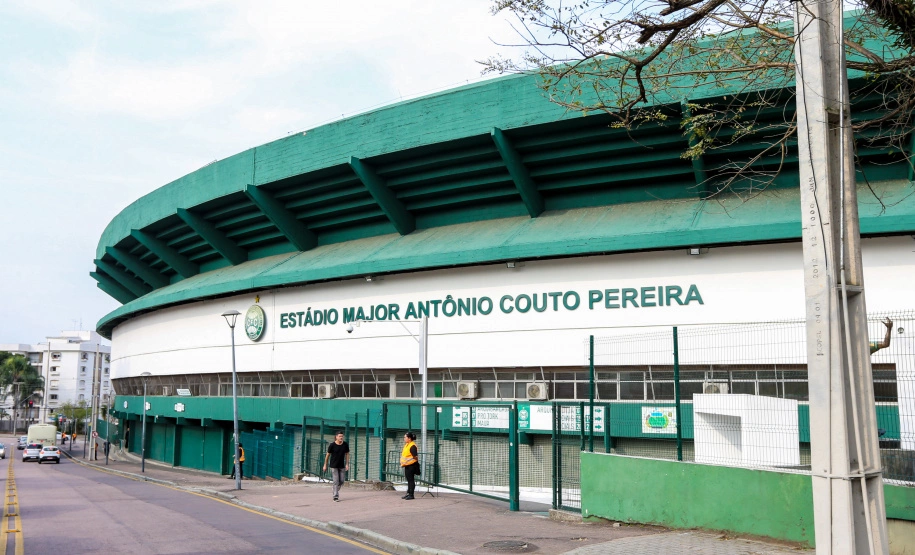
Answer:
(746, 430)
(737, 284)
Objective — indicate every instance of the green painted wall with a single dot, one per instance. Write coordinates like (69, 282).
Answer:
(686, 495)
(625, 417)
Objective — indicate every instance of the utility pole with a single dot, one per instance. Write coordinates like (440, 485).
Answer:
(96, 386)
(849, 510)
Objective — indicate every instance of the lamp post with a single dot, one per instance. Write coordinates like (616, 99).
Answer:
(230, 317)
(423, 340)
(145, 376)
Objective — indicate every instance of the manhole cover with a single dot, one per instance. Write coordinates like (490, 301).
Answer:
(510, 546)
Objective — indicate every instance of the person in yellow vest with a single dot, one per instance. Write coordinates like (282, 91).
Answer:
(241, 464)
(409, 461)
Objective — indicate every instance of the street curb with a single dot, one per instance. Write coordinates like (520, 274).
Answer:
(367, 536)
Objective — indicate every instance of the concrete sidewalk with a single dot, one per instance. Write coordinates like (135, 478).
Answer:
(447, 522)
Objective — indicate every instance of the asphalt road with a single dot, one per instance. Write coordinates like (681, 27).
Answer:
(67, 508)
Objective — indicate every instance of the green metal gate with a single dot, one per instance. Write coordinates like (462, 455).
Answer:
(271, 453)
(468, 456)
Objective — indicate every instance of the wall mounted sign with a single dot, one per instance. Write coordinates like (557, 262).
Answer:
(255, 322)
(659, 420)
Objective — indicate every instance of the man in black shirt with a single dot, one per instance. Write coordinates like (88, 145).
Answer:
(338, 457)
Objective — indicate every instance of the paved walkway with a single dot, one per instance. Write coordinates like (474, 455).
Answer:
(446, 523)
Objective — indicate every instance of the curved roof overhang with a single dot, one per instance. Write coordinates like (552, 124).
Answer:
(482, 173)
(770, 216)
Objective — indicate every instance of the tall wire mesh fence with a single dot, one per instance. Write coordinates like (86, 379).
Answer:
(738, 395)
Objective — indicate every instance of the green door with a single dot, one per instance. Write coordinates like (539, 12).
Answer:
(192, 447)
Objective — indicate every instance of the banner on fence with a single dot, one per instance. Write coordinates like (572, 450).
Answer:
(659, 420)
(483, 417)
(533, 416)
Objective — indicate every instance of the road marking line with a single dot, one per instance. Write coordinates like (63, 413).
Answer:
(229, 503)
(12, 511)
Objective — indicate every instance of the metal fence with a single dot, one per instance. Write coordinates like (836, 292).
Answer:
(272, 453)
(733, 395)
(737, 394)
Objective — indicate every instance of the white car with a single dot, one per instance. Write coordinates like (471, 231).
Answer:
(49, 453)
(32, 451)
(23, 441)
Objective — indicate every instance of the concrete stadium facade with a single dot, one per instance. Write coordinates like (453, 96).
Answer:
(518, 228)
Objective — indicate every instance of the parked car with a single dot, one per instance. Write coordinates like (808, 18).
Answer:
(23, 441)
(32, 451)
(2, 451)
(49, 453)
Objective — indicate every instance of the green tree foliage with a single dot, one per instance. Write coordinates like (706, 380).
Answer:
(76, 415)
(20, 379)
(722, 71)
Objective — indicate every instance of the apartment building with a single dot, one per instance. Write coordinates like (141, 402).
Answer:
(75, 366)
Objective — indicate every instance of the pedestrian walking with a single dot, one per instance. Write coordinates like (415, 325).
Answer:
(337, 457)
(241, 464)
(409, 461)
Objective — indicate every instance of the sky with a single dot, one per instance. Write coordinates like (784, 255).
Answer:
(103, 102)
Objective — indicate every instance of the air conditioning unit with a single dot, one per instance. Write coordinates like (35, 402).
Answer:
(467, 390)
(714, 387)
(537, 391)
(326, 391)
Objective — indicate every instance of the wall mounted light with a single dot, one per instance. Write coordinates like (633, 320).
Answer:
(696, 251)
(509, 264)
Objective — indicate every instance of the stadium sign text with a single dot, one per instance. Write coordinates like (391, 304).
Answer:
(552, 301)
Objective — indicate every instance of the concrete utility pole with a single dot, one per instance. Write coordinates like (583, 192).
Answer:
(849, 510)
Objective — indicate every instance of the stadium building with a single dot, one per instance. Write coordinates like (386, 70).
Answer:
(518, 229)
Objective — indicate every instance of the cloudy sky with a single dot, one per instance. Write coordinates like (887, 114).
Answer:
(102, 102)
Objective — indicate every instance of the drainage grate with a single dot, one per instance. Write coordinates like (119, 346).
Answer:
(510, 546)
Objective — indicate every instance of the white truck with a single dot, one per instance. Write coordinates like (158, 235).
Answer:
(46, 434)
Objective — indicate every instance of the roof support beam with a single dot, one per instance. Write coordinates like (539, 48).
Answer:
(216, 239)
(912, 157)
(133, 285)
(397, 213)
(112, 288)
(699, 173)
(137, 266)
(300, 236)
(175, 260)
(532, 198)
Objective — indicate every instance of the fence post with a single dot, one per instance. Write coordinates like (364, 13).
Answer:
(591, 398)
(435, 473)
(557, 454)
(381, 441)
(472, 418)
(355, 436)
(581, 426)
(514, 490)
(677, 395)
(304, 442)
(368, 421)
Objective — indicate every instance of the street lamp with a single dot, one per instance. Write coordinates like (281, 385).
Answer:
(423, 341)
(145, 376)
(230, 317)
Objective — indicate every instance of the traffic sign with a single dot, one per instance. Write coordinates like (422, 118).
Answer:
(94, 434)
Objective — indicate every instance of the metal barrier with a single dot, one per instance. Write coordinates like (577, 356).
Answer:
(480, 458)
(736, 394)
(272, 453)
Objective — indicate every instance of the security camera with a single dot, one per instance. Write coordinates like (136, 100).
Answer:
(349, 328)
